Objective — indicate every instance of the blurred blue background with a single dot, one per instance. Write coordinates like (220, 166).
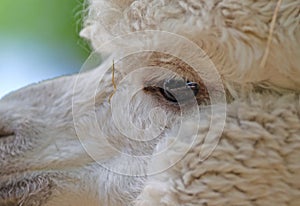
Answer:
(39, 39)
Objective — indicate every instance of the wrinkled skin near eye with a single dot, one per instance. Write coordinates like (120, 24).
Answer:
(180, 89)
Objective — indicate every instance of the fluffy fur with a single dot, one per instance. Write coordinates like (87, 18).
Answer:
(233, 33)
(60, 143)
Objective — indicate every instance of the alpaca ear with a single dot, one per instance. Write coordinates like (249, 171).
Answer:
(104, 20)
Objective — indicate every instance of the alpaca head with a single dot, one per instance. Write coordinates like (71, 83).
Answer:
(88, 138)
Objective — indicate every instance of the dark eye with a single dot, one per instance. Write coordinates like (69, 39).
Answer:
(179, 91)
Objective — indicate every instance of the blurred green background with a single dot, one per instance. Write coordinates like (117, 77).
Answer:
(39, 39)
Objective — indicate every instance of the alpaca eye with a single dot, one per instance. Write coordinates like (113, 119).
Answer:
(179, 91)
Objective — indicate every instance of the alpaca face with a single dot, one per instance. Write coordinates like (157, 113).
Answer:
(63, 139)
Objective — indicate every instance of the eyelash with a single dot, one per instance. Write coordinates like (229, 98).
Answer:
(179, 87)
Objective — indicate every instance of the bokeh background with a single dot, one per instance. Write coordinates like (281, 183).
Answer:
(39, 39)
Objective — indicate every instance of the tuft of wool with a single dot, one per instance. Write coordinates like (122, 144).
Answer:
(233, 33)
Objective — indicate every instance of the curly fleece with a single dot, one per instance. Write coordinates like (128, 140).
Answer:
(255, 163)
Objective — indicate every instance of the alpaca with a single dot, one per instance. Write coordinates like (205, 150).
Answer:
(190, 106)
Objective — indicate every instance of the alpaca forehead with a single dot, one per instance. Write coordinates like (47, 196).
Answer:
(233, 33)
(151, 14)
(159, 66)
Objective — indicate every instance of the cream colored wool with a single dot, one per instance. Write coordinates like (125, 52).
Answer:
(255, 163)
(59, 139)
(233, 33)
